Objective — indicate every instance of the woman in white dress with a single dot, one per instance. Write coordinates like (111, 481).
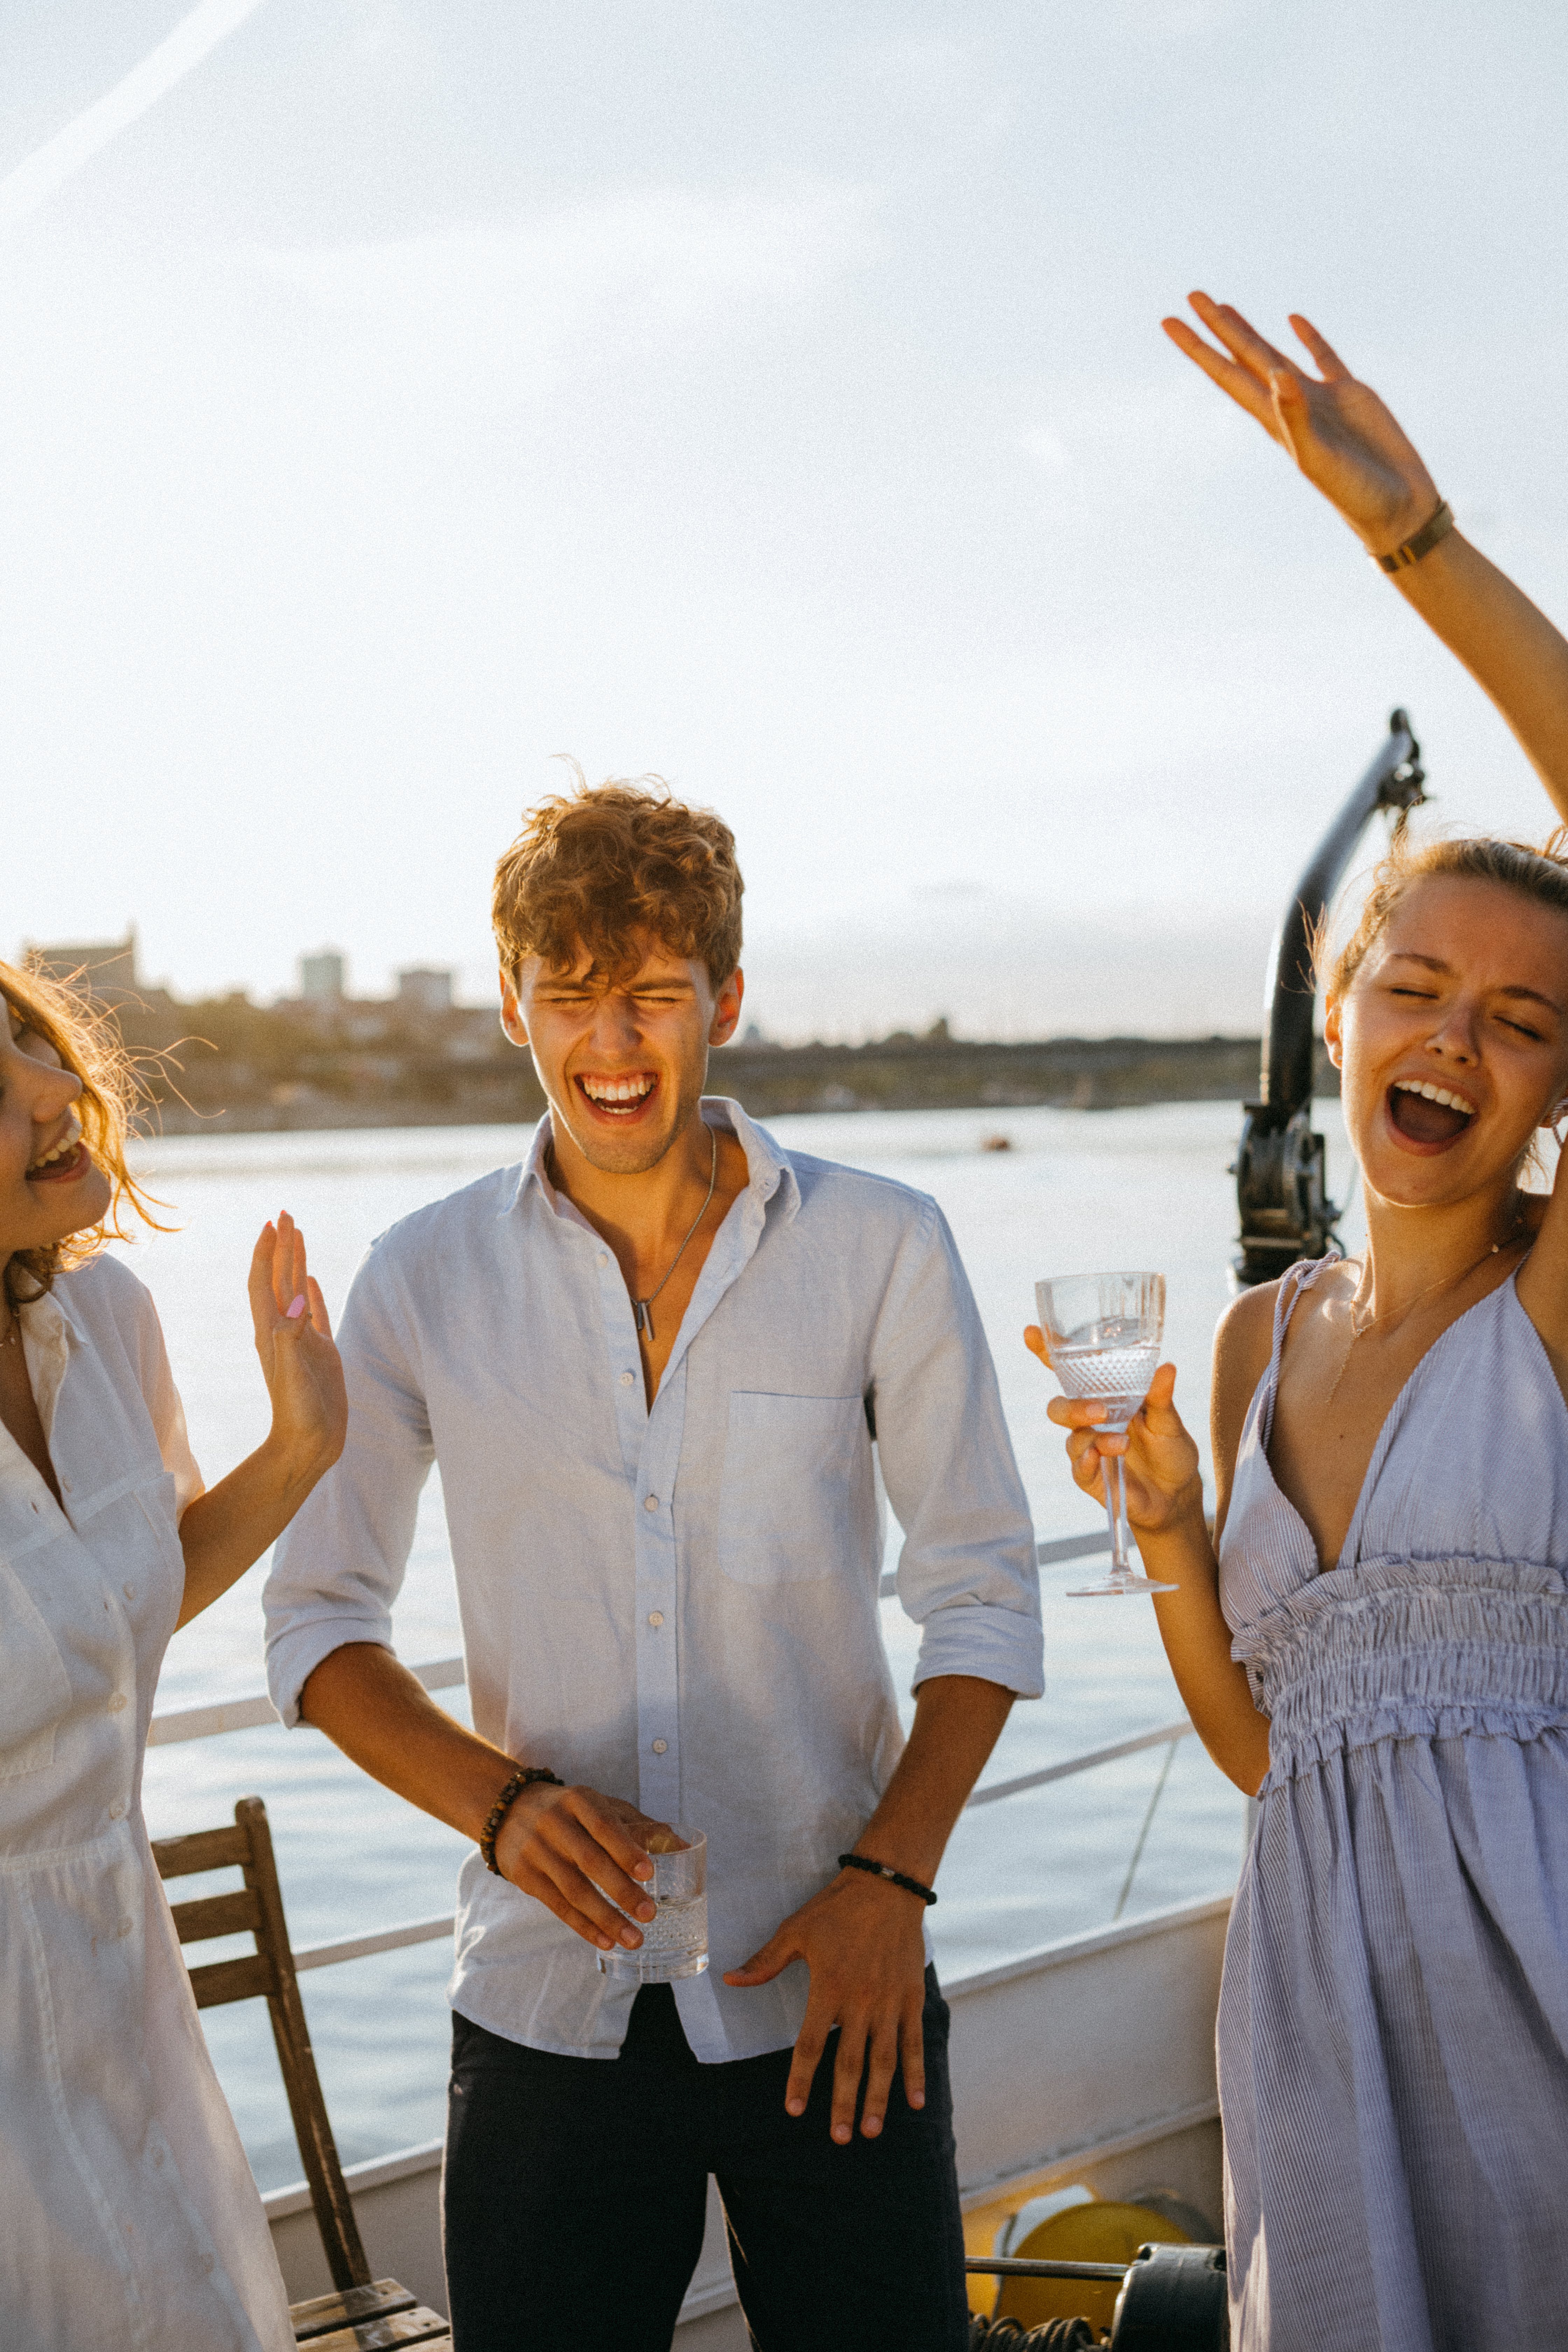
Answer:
(128, 2213)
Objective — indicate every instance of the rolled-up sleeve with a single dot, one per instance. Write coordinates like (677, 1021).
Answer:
(967, 1572)
(339, 1566)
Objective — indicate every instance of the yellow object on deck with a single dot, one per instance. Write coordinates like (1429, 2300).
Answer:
(1095, 2232)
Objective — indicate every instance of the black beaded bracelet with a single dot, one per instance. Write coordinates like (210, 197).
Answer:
(885, 1870)
(503, 1805)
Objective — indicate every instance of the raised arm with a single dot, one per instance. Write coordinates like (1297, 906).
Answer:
(1341, 435)
(226, 1529)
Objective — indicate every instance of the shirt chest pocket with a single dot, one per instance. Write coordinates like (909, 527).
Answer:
(798, 1497)
(34, 1690)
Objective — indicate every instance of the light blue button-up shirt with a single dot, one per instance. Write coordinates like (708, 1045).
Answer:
(677, 1604)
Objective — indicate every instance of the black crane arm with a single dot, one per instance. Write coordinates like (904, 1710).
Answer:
(1285, 1212)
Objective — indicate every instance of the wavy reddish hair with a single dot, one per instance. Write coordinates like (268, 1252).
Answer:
(87, 1038)
(607, 867)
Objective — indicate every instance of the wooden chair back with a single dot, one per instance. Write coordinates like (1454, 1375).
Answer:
(266, 1973)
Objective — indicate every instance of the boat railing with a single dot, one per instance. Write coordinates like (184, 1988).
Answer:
(254, 1710)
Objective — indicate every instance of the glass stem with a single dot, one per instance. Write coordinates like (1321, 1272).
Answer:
(1116, 1513)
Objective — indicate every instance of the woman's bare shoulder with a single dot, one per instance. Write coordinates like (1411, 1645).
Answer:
(1243, 1345)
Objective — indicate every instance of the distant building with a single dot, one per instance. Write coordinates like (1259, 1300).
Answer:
(102, 968)
(321, 977)
(425, 989)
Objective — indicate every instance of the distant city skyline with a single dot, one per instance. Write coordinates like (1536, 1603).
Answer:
(394, 396)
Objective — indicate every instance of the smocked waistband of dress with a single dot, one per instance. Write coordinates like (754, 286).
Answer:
(1296, 1749)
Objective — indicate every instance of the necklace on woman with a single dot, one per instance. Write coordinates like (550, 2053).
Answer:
(1445, 1282)
(642, 1309)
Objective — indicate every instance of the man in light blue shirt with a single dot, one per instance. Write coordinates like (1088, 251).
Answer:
(652, 1365)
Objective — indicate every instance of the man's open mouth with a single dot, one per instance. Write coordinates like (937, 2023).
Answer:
(1428, 1114)
(620, 1098)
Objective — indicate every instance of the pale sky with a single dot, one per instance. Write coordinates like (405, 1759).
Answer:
(395, 392)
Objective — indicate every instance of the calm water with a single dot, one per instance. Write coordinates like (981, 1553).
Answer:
(1079, 1191)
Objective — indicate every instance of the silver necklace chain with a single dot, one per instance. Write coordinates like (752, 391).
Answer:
(1444, 1282)
(642, 1309)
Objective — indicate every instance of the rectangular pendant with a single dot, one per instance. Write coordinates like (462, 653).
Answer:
(642, 1311)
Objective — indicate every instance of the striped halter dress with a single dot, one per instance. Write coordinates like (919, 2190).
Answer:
(1394, 2018)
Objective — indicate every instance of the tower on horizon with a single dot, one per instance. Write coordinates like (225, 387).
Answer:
(321, 976)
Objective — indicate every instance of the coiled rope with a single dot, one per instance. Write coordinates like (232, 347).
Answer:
(1051, 2336)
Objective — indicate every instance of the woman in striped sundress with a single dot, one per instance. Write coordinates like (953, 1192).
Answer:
(1380, 1650)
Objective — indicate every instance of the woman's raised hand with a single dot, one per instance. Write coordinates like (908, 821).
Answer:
(1338, 431)
(1163, 1483)
(300, 1363)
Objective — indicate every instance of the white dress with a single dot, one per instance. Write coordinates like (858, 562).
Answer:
(128, 2213)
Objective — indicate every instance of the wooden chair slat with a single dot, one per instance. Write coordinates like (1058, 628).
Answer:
(419, 2326)
(180, 1858)
(271, 1973)
(314, 2318)
(216, 1914)
(341, 2240)
(225, 1980)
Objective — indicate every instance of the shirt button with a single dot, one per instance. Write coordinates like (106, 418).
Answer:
(656, 1618)
(117, 1702)
(122, 1929)
(626, 1380)
(129, 1592)
(660, 1745)
(117, 1809)
(604, 1257)
(650, 1503)
(65, 1486)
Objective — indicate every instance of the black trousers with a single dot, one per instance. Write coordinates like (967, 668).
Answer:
(576, 2189)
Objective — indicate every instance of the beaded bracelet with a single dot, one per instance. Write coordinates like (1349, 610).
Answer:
(885, 1870)
(503, 1805)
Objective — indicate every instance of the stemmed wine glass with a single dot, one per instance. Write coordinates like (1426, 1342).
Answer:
(1103, 1331)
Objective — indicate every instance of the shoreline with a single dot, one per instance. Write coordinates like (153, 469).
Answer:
(769, 1081)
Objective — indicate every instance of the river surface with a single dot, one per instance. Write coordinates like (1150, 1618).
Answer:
(1077, 1191)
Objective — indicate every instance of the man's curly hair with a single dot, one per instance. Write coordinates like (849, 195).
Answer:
(607, 867)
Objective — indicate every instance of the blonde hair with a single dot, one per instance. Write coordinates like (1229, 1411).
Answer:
(1539, 875)
(87, 1040)
(595, 867)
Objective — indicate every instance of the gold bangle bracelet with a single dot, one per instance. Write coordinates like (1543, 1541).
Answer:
(1421, 543)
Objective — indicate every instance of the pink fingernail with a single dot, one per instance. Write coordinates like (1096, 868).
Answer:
(297, 1309)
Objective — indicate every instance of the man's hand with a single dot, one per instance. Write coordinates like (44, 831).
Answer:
(862, 1941)
(570, 1849)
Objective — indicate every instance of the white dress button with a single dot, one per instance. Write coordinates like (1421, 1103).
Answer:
(604, 1257)
(650, 1503)
(117, 1809)
(656, 1618)
(626, 1380)
(117, 1702)
(660, 1745)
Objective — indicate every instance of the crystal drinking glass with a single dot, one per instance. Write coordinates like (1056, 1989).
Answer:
(675, 1940)
(1103, 1331)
